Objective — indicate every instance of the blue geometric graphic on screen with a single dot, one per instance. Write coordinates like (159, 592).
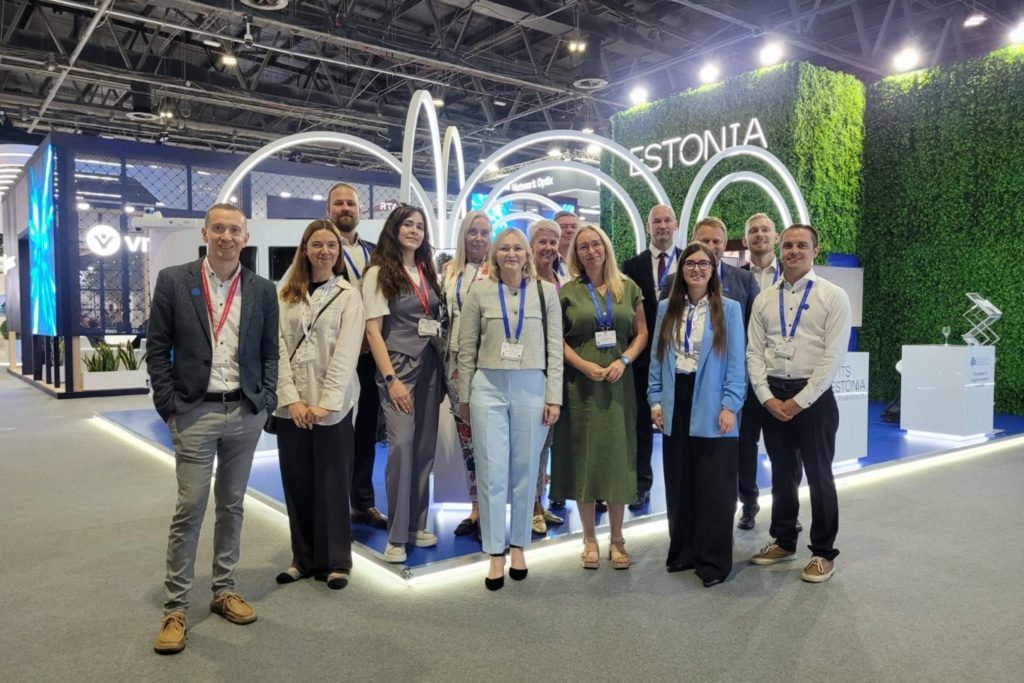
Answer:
(43, 290)
(476, 202)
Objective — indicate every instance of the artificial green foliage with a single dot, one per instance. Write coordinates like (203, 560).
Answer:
(126, 357)
(103, 359)
(942, 196)
(812, 119)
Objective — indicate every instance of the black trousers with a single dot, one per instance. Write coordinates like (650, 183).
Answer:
(700, 492)
(316, 468)
(365, 434)
(811, 437)
(750, 433)
(644, 432)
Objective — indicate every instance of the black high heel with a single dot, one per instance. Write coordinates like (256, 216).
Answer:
(498, 583)
(517, 574)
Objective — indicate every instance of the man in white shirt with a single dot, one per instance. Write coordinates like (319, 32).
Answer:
(797, 338)
(343, 210)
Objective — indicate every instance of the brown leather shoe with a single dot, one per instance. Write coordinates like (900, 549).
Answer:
(232, 607)
(171, 638)
(370, 517)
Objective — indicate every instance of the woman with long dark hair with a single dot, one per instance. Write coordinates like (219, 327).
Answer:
(696, 387)
(404, 329)
(321, 328)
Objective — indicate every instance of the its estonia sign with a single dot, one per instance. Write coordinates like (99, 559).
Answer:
(696, 148)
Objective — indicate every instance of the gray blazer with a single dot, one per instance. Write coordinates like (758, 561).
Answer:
(178, 347)
(737, 284)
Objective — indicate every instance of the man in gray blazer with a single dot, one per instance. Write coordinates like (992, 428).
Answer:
(212, 357)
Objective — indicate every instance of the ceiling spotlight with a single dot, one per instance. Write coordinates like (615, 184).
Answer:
(906, 59)
(709, 73)
(83, 206)
(771, 54)
(577, 46)
(211, 43)
(233, 199)
(286, 194)
(638, 95)
(587, 130)
(492, 168)
(438, 102)
(129, 209)
(554, 152)
(1017, 34)
(975, 19)
(167, 114)
(500, 103)
(228, 59)
(593, 149)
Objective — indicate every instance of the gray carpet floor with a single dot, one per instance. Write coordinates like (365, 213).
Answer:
(928, 587)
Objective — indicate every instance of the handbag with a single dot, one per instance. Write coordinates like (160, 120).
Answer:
(270, 427)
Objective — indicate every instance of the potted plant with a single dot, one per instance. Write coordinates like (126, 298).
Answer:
(107, 368)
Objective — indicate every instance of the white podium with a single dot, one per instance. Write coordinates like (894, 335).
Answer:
(850, 387)
(948, 391)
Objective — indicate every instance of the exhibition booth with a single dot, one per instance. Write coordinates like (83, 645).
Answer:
(95, 220)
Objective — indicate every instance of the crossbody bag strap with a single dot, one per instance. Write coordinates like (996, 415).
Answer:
(319, 313)
(544, 320)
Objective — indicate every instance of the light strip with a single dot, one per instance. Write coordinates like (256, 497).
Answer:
(530, 197)
(945, 437)
(745, 150)
(517, 216)
(422, 102)
(740, 177)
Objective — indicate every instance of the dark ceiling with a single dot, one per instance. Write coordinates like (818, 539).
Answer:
(502, 67)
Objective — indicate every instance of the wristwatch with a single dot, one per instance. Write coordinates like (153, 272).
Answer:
(388, 379)
(625, 360)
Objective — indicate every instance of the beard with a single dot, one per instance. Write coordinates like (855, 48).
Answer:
(346, 223)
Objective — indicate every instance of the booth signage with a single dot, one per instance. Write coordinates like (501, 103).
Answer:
(105, 240)
(696, 148)
(538, 183)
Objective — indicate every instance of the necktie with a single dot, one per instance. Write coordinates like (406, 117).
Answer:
(661, 266)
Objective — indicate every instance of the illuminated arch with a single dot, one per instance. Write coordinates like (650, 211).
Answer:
(452, 140)
(742, 150)
(530, 197)
(317, 137)
(615, 148)
(518, 215)
(423, 102)
(746, 177)
(598, 175)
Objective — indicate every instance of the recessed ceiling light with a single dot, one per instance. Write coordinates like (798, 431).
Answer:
(975, 19)
(228, 59)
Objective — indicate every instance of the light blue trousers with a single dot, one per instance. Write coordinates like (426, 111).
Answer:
(507, 416)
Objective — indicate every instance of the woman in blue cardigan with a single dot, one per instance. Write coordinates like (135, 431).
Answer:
(696, 389)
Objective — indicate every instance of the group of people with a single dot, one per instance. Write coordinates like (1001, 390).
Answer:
(540, 343)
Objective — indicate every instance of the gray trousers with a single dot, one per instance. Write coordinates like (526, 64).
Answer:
(229, 432)
(412, 440)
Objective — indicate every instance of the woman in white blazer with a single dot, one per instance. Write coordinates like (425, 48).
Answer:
(696, 387)
(321, 329)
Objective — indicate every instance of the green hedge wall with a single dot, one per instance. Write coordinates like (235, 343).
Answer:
(943, 189)
(813, 121)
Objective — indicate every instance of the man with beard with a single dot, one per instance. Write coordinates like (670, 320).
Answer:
(650, 269)
(343, 210)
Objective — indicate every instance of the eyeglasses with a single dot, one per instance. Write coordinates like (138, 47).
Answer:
(694, 265)
(585, 247)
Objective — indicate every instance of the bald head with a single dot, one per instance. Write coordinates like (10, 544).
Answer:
(661, 226)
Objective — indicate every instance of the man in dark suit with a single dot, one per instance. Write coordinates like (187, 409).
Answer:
(344, 211)
(212, 357)
(650, 269)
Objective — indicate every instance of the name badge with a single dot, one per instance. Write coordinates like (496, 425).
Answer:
(220, 355)
(510, 351)
(606, 339)
(785, 351)
(304, 355)
(428, 327)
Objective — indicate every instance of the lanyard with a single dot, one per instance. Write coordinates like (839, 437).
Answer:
(323, 301)
(604, 321)
(558, 266)
(799, 311)
(458, 285)
(775, 277)
(504, 311)
(668, 268)
(690, 312)
(227, 302)
(423, 296)
(351, 263)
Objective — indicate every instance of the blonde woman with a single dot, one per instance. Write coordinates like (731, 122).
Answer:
(594, 452)
(461, 274)
(321, 329)
(510, 385)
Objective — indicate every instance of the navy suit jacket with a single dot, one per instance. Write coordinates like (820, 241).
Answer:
(179, 329)
(737, 284)
(640, 271)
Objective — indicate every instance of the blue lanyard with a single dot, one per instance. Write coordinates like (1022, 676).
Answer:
(799, 311)
(558, 266)
(775, 278)
(351, 263)
(504, 311)
(668, 268)
(604, 321)
(690, 311)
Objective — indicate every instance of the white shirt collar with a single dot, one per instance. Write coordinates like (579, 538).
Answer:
(656, 253)
(811, 276)
(755, 269)
(210, 272)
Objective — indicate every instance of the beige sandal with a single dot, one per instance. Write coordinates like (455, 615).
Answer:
(617, 554)
(590, 558)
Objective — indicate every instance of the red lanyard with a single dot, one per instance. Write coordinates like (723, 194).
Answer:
(423, 296)
(227, 303)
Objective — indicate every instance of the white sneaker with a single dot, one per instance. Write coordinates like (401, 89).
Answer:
(424, 539)
(394, 553)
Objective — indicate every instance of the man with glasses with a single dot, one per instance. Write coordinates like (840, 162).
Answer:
(650, 269)
(799, 332)
(344, 211)
(212, 358)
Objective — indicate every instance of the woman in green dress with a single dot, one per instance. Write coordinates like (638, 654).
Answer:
(594, 453)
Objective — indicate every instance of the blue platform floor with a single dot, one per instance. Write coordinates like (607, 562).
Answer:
(886, 443)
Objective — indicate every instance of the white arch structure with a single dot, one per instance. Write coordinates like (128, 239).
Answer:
(530, 197)
(317, 137)
(600, 176)
(518, 215)
(548, 136)
(747, 177)
(423, 103)
(742, 176)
